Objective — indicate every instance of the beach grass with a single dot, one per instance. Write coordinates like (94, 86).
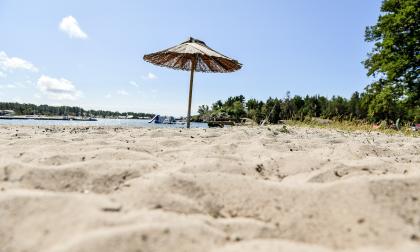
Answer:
(353, 126)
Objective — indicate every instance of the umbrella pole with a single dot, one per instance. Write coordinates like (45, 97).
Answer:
(190, 95)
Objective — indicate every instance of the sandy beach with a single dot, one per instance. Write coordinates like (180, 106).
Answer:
(233, 189)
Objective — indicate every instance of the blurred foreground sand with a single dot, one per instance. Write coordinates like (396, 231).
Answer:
(234, 189)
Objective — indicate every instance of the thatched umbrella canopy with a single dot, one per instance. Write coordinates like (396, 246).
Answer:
(195, 56)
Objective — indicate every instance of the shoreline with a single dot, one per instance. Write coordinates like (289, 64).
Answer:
(349, 126)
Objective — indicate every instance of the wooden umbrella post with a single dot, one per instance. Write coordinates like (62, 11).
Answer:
(194, 62)
(190, 52)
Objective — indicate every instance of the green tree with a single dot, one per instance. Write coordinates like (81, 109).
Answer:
(203, 110)
(395, 57)
(238, 110)
(311, 106)
(354, 106)
(381, 102)
(254, 110)
(217, 105)
(272, 110)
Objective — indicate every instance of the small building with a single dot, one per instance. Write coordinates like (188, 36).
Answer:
(6, 112)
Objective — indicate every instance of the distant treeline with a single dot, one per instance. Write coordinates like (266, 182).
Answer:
(32, 109)
(358, 107)
(394, 62)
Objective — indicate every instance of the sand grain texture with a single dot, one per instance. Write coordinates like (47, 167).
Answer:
(216, 190)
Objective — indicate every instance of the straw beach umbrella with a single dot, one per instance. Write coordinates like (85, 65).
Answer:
(195, 56)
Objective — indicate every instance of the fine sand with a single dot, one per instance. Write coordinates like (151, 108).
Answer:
(234, 189)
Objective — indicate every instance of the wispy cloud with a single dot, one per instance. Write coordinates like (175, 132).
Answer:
(134, 84)
(70, 26)
(122, 92)
(3, 75)
(8, 86)
(58, 89)
(108, 96)
(12, 63)
(149, 76)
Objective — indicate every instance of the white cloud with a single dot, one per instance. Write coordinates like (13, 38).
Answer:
(7, 86)
(70, 26)
(149, 76)
(12, 63)
(133, 83)
(58, 89)
(108, 96)
(3, 75)
(14, 85)
(122, 92)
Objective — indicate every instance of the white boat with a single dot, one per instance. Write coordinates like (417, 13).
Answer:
(169, 120)
(163, 119)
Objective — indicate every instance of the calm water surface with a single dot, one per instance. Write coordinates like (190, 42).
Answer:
(100, 122)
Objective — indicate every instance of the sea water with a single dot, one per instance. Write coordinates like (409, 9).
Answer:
(100, 122)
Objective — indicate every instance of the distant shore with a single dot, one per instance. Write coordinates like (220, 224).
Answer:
(94, 122)
(45, 117)
(56, 118)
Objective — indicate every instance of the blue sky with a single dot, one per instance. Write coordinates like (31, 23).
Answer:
(89, 53)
